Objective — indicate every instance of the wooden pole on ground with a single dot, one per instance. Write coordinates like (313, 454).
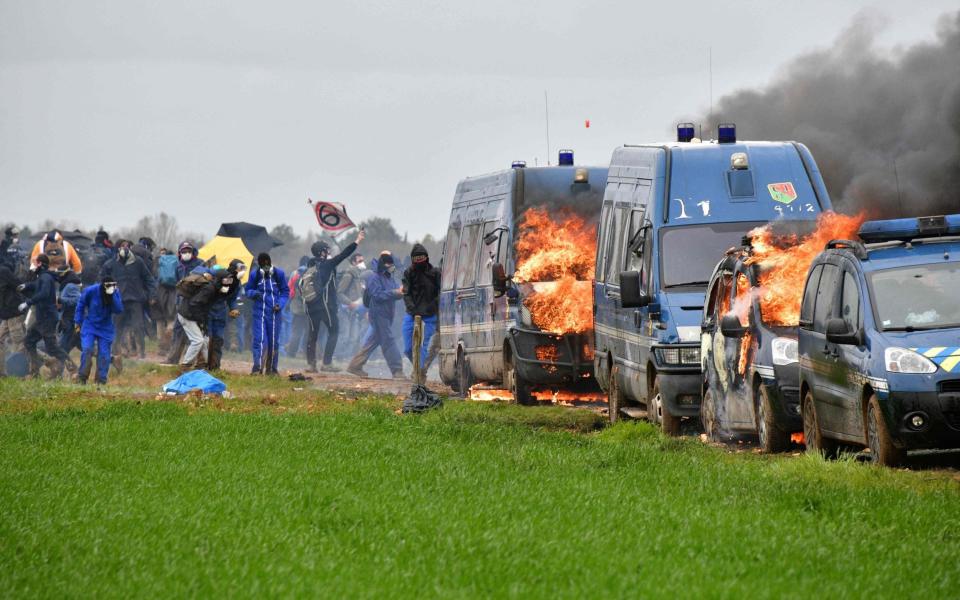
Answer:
(418, 377)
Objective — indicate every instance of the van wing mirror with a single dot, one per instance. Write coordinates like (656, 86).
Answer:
(631, 296)
(731, 327)
(839, 333)
(499, 279)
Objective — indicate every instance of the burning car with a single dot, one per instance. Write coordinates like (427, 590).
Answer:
(515, 302)
(879, 340)
(748, 340)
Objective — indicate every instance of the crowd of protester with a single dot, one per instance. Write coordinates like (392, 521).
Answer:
(107, 300)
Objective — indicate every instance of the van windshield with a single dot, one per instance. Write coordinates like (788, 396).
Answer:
(917, 297)
(688, 254)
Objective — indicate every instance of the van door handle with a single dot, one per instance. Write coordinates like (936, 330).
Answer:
(493, 310)
(612, 294)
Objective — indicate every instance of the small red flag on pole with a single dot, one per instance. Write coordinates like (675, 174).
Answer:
(586, 123)
(331, 216)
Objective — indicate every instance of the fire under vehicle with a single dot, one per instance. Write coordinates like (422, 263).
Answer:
(669, 212)
(515, 300)
(879, 340)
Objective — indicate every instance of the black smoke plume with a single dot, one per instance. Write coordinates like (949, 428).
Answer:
(884, 127)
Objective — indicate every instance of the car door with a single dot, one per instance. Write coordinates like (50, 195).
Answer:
(830, 379)
(738, 401)
(468, 302)
(852, 359)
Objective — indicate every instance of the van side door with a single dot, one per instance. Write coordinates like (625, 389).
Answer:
(852, 358)
(472, 317)
(829, 378)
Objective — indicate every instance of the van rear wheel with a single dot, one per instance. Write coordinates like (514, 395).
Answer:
(772, 438)
(708, 416)
(615, 400)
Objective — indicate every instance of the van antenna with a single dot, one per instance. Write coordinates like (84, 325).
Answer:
(711, 82)
(896, 177)
(546, 112)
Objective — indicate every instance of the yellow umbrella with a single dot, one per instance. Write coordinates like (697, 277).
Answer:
(224, 249)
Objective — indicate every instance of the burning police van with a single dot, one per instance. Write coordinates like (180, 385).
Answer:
(748, 340)
(879, 340)
(669, 211)
(515, 301)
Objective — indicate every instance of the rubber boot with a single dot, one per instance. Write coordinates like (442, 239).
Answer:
(215, 354)
(177, 351)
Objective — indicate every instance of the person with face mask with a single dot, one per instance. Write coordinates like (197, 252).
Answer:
(12, 320)
(41, 296)
(325, 305)
(350, 289)
(187, 261)
(383, 292)
(138, 287)
(227, 282)
(193, 314)
(267, 287)
(11, 252)
(96, 309)
(421, 295)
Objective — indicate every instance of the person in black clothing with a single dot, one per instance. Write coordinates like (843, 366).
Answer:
(11, 321)
(137, 287)
(192, 314)
(324, 307)
(421, 295)
(42, 296)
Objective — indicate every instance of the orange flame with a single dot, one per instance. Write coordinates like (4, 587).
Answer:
(785, 260)
(561, 251)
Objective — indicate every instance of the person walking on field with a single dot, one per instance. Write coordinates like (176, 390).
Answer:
(421, 295)
(267, 287)
(350, 289)
(318, 286)
(93, 319)
(12, 329)
(299, 326)
(137, 286)
(187, 261)
(198, 292)
(381, 294)
(227, 282)
(42, 297)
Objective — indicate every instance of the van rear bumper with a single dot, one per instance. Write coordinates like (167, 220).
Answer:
(680, 391)
(548, 359)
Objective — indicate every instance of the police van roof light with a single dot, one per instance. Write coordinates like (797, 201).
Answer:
(726, 133)
(581, 175)
(518, 164)
(739, 161)
(565, 158)
(890, 230)
(685, 132)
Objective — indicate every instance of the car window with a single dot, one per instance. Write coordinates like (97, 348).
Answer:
(488, 254)
(827, 296)
(467, 265)
(449, 274)
(810, 297)
(850, 306)
(602, 241)
(635, 249)
(617, 241)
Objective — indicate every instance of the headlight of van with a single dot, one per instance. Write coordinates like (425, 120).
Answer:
(784, 351)
(679, 356)
(901, 360)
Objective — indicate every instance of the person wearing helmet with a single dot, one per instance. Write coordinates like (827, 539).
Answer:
(93, 320)
(267, 287)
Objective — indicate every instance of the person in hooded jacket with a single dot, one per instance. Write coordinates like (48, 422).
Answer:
(11, 252)
(421, 295)
(299, 326)
(41, 295)
(383, 292)
(227, 282)
(93, 320)
(70, 291)
(54, 244)
(138, 286)
(267, 287)
(12, 328)
(187, 262)
(324, 308)
(193, 314)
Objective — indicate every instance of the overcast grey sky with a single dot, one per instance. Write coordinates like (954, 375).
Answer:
(240, 110)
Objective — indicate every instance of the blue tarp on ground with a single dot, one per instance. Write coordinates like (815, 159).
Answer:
(195, 380)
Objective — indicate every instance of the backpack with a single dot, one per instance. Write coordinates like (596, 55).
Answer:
(191, 284)
(307, 286)
(167, 269)
(57, 253)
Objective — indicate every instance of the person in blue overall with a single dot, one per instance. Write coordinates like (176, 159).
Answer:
(227, 281)
(383, 292)
(267, 287)
(94, 320)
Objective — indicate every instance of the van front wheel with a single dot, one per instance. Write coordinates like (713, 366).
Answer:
(669, 423)
(516, 385)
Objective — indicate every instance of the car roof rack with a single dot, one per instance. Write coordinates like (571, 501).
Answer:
(856, 247)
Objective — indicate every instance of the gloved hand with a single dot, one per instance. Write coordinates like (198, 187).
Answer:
(76, 328)
(22, 307)
(276, 308)
(234, 313)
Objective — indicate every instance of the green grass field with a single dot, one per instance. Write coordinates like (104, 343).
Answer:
(281, 492)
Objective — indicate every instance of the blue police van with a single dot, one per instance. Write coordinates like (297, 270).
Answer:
(669, 213)
(879, 340)
(487, 335)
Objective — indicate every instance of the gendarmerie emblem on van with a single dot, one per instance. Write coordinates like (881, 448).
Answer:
(782, 192)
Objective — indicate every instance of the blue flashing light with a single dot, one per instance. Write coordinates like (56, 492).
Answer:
(518, 164)
(685, 132)
(726, 133)
(909, 229)
(566, 158)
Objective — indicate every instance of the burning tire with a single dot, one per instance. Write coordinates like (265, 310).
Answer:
(615, 399)
(772, 438)
(878, 437)
(669, 423)
(518, 387)
(816, 443)
(708, 417)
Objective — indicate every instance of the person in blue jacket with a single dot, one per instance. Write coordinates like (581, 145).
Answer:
(267, 287)
(41, 294)
(227, 281)
(94, 320)
(383, 292)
